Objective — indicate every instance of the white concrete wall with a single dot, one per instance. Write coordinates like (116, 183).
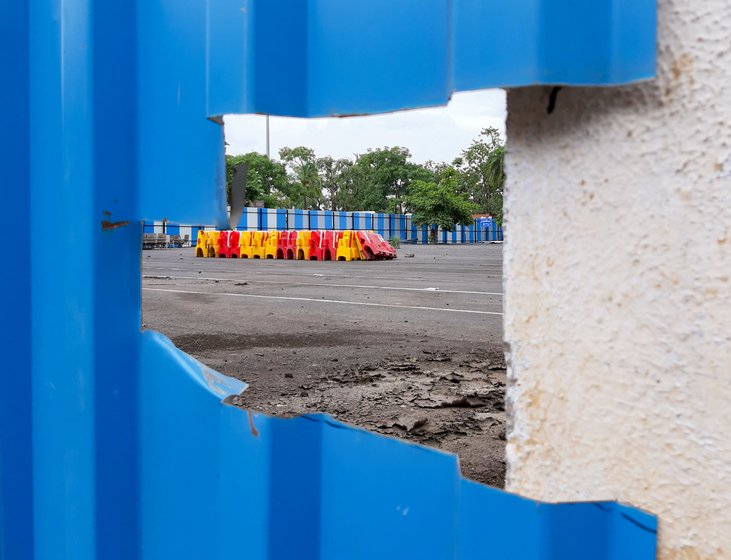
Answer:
(619, 323)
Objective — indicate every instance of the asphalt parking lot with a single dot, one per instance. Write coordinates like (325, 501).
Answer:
(410, 348)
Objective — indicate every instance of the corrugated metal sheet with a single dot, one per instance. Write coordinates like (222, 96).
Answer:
(115, 444)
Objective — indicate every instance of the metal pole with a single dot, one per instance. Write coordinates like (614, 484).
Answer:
(267, 135)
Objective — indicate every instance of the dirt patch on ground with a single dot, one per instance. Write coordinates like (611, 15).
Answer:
(444, 394)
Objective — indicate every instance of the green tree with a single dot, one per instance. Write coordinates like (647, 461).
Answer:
(381, 177)
(482, 172)
(266, 179)
(335, 178)
(305, 185)
(439, 204)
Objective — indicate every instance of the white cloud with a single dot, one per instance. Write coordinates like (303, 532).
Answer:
(438, 133)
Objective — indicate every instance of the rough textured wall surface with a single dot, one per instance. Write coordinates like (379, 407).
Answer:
(618, 323)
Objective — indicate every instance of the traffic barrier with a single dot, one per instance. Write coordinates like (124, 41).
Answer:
(303, 245)
(213, 237)
(368, 246)
(251, 244)
(258, 244)
(385, 246)
(317, 238)
(232, 251)
(292, 245)
(328, 245)
(245, 245)
(348, 247)
(286, 245)
(222, 250)
(270, 247)
(201, 245)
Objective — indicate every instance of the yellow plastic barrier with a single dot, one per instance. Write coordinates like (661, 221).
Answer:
(201, 245)
(359, 247)
(303, 245)
(207, 244)
(213, 237)
(348, 247)
(270, 249)
(245, 245)
(258, 243)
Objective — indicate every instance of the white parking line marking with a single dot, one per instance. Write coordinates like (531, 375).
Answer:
(434, 290)
(331, 274)
(368, 304)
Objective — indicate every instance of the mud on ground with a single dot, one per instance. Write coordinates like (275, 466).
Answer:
(444, 395)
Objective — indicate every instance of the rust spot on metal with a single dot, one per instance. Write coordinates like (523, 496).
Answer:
(107, 213)
(254, 431)
(106, 224)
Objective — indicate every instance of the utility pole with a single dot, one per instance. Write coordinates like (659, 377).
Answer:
(267, 135)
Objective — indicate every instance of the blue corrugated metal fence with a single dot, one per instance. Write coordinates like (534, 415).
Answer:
(116, 445)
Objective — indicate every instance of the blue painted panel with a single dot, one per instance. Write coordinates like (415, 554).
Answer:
(417, 51)
(263, 219)
(16, 396)
(171, 110)
(329, 220)
(343, 220)
(281, 219)
(363, 38)
(356, 220)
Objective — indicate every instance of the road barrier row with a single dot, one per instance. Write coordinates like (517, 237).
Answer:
(348, 245)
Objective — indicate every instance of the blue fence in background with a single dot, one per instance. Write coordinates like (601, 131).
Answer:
(388, 225)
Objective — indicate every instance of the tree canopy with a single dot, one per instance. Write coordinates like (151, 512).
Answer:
(482, 174)
(380, 180)
(266, 180)
(439, 204)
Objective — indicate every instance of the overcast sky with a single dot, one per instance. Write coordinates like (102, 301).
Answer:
(437, 134)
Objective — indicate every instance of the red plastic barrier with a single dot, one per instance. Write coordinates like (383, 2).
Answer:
(371, 248)
(291, 252)
(287, 245)
(386, 247)
(222, 250)
(233, 244)
(316, 240)
(282, 241)
(324, 245)
(330, 245)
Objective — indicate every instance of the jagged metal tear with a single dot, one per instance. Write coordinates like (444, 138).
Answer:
(310, 58)
(117, 445)
(238, 194)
